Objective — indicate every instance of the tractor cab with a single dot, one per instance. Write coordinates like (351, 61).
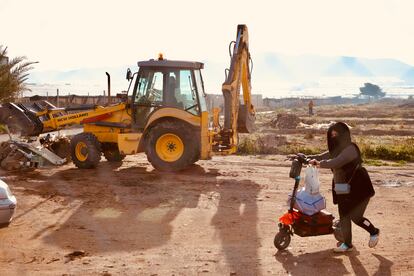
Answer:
(167, 83)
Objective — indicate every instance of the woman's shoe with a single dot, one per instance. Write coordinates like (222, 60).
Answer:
(373, 240)
(343, 248)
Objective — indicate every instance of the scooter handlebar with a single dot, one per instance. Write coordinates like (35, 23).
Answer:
(302, 158)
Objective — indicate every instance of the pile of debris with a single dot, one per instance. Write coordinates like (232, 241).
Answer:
(317, 126)
(285, 121)
(22, 154)
(409, 103)
(10, 157)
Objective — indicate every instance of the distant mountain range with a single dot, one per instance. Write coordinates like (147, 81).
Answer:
(311, 66)
(268, 69)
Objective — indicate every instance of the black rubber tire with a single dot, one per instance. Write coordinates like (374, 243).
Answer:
(196, 155)
(94, 150)
(111, 152)
(187, 135)
(282, 240)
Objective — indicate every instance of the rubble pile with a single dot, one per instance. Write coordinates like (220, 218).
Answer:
(285, 121)
(11, 158)
(21, 154)
(272, 140)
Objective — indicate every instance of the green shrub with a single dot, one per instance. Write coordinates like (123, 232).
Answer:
(264, 145)
(374, 162)
(402, 152)
(309, 135)
(2, 129)
(292, 149)
(248, 146)
(399, 163)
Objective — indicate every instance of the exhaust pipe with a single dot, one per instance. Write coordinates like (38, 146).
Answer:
(109, 87)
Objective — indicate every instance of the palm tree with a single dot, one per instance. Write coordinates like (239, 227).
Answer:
(13, 74)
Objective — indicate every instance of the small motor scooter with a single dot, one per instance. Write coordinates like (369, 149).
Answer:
(296, 222)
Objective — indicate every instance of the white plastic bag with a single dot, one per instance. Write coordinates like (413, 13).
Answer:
(311, 180)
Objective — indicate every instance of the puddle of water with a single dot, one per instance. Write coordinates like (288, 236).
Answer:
(394, 183)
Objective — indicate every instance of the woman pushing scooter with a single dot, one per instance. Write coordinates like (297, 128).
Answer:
(351, 186)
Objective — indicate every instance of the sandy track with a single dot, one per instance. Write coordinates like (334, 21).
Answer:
(216, 218)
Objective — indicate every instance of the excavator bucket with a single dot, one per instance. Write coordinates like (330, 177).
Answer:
(246, 120)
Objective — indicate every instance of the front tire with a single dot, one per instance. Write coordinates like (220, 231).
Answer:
(85, 150)
(282, 240)
(172, 146)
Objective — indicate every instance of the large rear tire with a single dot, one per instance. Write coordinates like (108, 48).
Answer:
(85, 150)
(172, 146)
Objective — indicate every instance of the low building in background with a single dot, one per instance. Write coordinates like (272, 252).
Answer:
(217, 100)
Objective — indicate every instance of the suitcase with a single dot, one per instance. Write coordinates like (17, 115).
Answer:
(315, 225)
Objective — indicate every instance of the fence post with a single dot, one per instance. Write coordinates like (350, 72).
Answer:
(57, 97)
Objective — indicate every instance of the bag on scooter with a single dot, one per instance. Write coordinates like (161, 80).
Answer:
(307, 203)
(317, 224)
(312, 180)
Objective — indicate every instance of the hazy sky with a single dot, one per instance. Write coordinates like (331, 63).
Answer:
(73, 34)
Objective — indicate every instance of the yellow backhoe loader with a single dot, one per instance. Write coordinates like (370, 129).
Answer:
(166, 117)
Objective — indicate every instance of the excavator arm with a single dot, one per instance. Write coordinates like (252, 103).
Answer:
(238, 117)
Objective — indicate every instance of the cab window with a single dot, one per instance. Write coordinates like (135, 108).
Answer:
(149, 88)
(186, 94)
(200, 90)
(170, 88)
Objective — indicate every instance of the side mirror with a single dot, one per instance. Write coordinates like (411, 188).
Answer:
(129, 75)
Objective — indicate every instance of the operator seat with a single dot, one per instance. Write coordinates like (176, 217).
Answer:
(172, 99)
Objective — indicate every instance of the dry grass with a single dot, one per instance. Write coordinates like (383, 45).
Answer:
(373, 149)
(404, 150)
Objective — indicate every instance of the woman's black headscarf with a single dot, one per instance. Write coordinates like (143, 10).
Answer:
(337, 144)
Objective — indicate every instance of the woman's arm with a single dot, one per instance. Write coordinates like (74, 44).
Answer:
(346, 156)
(321, 156)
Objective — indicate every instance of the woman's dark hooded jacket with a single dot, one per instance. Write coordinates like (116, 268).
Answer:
(361, 186)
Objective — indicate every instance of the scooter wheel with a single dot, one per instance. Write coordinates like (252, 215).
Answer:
(282, 240)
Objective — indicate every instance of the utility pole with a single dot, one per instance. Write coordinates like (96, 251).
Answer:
(57, 97)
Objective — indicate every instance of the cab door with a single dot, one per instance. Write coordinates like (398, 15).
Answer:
(148, 94)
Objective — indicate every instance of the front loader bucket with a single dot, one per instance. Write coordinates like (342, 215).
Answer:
(20, 120)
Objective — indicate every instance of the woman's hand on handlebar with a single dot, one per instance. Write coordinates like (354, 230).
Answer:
(314, 162)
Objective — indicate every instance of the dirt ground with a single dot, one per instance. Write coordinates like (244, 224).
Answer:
(217, 218)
